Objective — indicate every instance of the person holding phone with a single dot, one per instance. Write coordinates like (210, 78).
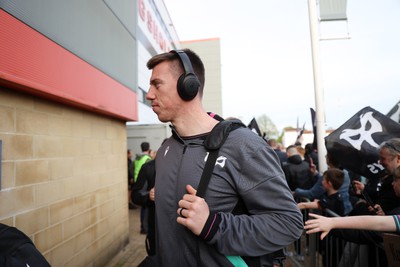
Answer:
(380, 191)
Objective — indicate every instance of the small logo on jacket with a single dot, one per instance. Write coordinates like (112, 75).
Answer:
(220, 160)
(166, 151)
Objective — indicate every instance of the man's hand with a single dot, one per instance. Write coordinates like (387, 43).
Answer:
(151, 194)
(193, 211)
(377, 209)
(357, 187)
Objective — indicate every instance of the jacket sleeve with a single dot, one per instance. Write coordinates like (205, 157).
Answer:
(273, 219)
(314, 192)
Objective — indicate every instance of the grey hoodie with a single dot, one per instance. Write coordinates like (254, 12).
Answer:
(247, 169)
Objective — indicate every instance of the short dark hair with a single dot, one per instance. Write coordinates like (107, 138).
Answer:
(335, 176)
(272, 142)
(309, 147)
(331, 160)
(392, 146)
(197, 64)
(145, 146)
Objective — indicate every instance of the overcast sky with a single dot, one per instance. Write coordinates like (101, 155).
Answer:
(267, 64)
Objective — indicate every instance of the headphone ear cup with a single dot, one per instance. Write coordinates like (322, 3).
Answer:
(188, 86)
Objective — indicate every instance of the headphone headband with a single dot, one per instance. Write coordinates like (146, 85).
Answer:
(187, 65)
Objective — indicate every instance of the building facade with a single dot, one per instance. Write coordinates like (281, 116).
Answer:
(72, 73)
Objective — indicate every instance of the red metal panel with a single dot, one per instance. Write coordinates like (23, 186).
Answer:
(31, 62)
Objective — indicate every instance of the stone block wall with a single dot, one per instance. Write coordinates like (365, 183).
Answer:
(64, 179)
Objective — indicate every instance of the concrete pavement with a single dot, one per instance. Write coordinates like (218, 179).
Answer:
(135, 251)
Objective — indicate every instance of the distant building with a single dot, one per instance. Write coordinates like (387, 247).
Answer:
(210, 52)
(290, 136)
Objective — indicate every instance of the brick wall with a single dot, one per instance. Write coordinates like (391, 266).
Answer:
(64, 179)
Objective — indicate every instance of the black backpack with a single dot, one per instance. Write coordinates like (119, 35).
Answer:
(18, 250)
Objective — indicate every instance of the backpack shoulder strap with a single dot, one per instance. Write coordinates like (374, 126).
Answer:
(220, 132)
(213, 143)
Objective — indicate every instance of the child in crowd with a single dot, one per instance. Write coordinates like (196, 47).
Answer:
(390, 223)
(332, 179)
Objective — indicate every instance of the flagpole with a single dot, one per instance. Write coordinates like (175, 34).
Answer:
(318, 90)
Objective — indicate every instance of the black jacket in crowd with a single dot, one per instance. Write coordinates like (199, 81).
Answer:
(297, 172)
(140, 196)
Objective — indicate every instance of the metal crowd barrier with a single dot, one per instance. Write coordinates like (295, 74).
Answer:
(333, 251)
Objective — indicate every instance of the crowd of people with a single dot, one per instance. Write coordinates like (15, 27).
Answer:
(249, 212)
(368, 206)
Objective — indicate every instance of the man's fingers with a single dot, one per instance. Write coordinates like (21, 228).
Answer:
(191, 190)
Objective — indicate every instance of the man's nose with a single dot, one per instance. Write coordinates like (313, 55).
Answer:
(150, 95)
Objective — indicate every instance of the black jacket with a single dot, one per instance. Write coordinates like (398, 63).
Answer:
(140, 196)
(298, 174)
(144, 182)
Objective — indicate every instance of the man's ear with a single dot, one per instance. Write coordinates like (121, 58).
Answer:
(397, 159)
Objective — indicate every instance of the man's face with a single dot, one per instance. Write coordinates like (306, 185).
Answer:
(163, 93)
(325, 183)
(389, 162)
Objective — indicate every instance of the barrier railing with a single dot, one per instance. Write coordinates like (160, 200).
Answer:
(336, 249)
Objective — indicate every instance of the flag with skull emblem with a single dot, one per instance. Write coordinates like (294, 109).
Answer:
(355, 144)
(394, 113)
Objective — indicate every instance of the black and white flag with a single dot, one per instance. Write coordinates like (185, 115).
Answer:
(314, 126)
(254, 127)
(394, 113)
(355, 144)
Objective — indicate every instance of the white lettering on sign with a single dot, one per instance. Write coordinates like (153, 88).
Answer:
(153, 28)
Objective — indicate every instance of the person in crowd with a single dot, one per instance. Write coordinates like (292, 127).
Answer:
(143, 195)
(280, 147)
(191, 230)
(332, 180)
(380, 190)
(281, 154)
(297, 175)
(383, 195)
(331, 201)
(310, 154)
(297, 171)
(130, 180)
(141, 159)
(388, 223)
(317, 190)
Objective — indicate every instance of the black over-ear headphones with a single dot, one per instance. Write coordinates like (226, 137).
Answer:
(188, 83)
